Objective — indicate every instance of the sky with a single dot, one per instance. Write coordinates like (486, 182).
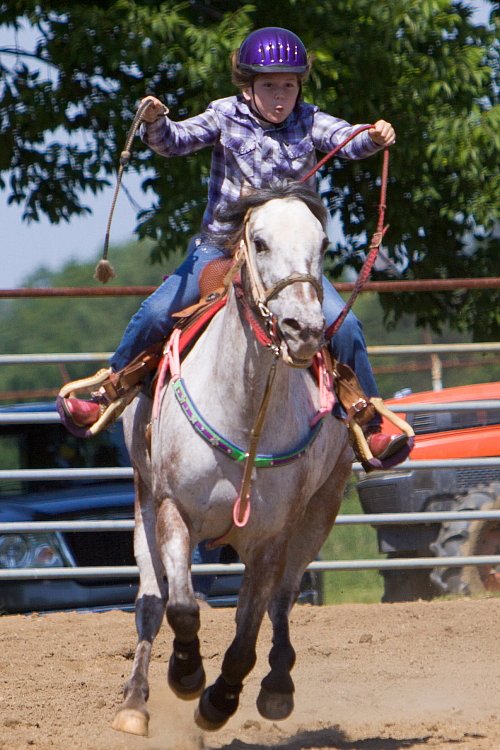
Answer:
(27, 247)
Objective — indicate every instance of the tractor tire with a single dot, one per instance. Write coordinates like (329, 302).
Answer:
(407, 585)
(464, 538)
(484, 539)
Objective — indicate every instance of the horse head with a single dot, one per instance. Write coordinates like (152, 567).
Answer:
(282, 244)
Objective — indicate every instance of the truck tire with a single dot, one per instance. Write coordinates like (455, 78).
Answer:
(461, 538)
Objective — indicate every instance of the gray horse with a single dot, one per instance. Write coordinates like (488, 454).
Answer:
(187, 486)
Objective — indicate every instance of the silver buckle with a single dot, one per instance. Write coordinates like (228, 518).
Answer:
(360, 405)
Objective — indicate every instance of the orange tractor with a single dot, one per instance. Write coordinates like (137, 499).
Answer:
(449, 434)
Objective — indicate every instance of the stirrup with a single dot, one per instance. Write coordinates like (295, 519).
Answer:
(93, 386)
(360, 443)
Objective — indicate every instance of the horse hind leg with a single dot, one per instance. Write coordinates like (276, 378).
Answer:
(133, 716)
(276, 697)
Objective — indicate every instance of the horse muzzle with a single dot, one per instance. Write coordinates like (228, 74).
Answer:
(299, 342)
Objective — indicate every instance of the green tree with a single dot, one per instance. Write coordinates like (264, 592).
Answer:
(423, 65)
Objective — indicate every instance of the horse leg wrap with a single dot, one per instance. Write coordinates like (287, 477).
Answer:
(218, 703)
(186, 675)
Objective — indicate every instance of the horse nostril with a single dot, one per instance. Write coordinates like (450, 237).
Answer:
(291, 323)
(304, 333)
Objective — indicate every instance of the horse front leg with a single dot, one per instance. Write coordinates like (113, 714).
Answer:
(276, 697)
(186, 675)
(220, 701)
(133, 716)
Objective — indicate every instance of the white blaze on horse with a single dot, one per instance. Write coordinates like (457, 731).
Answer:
(187, 486)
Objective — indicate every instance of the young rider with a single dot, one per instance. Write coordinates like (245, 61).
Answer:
(264, 133)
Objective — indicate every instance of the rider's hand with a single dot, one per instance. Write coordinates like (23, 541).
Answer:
(382, 133)
(154, 110)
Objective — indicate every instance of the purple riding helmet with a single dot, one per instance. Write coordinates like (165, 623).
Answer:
(272, 50)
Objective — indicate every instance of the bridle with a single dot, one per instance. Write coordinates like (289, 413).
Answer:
(260, 297)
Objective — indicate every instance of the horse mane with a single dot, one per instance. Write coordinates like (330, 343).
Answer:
(234, 215)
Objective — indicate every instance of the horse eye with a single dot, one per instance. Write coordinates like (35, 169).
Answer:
(324, 245)
(260, 246)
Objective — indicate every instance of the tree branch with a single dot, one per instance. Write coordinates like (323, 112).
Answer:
(24, 53)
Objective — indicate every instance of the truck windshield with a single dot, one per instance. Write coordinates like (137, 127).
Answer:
(50, 446)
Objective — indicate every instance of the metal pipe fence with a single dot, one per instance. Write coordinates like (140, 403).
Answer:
(125, 473)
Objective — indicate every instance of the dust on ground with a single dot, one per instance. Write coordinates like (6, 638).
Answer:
(368, 677)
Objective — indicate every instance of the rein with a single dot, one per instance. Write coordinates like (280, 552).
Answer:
(377, 236)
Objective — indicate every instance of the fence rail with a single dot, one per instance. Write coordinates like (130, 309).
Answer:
(59, 358)
(132, 571)
(408, 285)
(127, 571)
(34, 475)
(344, 519)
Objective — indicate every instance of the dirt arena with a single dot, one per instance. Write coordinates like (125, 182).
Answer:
(368, 677)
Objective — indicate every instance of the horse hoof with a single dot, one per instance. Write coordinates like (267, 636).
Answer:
(204, 724)
(207, 717)
(188, 687)
(131, 721)
(275, 706)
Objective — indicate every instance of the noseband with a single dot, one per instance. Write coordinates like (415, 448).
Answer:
(261, 295)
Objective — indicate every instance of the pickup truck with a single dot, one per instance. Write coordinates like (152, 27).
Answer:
(31, 437)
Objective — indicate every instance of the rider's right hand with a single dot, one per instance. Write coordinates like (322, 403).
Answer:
(154, 110)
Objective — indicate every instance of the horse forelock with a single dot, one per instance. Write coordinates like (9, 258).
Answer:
(236, 214)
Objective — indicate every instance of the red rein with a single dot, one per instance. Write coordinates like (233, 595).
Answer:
(377, 235)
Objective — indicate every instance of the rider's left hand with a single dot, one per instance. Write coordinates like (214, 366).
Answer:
(382, 133)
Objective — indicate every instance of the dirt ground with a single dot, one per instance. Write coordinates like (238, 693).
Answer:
(367, 677)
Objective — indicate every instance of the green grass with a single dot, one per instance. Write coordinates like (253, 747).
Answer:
(349, 543)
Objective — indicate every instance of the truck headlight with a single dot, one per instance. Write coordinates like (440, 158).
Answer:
(30, 551)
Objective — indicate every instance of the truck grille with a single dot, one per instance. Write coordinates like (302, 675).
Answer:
(101, 547)
(467, 478)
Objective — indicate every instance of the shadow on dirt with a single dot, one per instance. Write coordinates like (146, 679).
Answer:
(332, 738)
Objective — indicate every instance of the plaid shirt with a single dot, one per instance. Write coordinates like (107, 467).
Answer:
(248, 153)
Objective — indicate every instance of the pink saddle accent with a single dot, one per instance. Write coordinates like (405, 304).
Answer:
(325, 385)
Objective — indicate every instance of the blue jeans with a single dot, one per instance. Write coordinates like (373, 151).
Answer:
(153, 321)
